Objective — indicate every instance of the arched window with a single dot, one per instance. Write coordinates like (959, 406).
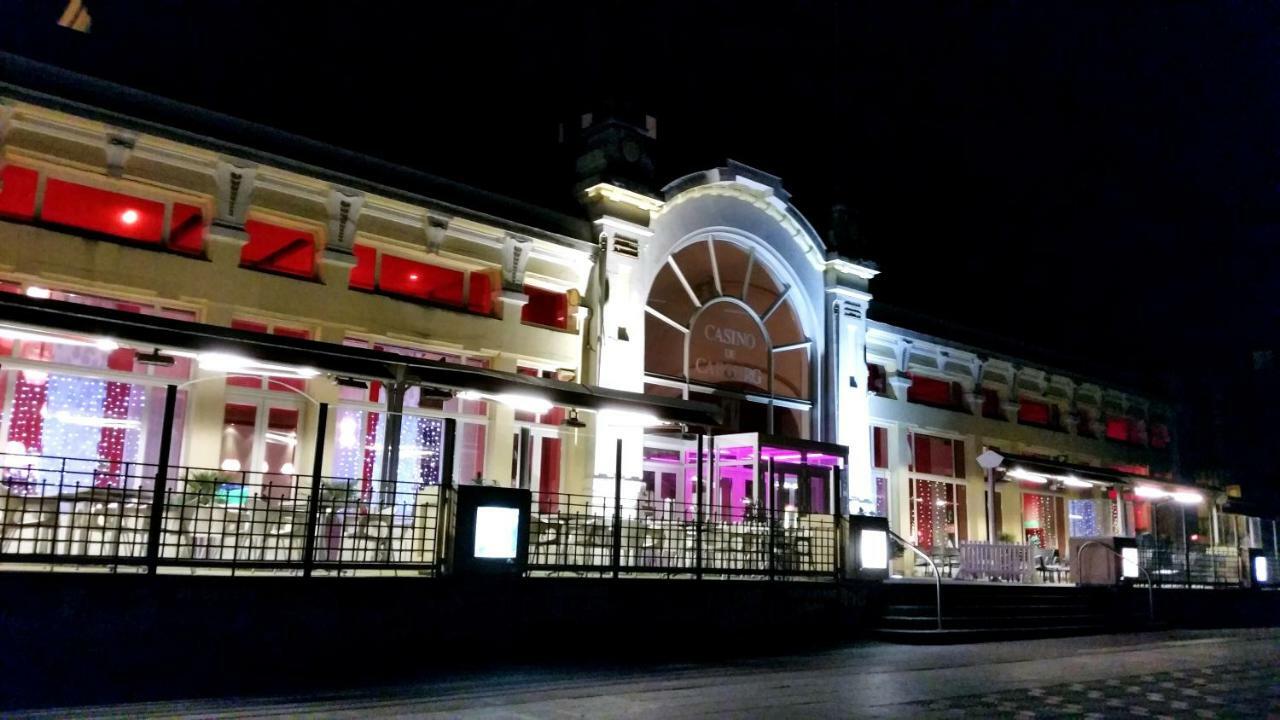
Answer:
(717, 318)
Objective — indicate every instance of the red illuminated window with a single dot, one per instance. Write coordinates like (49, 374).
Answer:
(186, 229)
(991, 404)
(1031, 412)
(408, 278)
(1140, 470)
(1084, 425)
(102, 211)
(362, 275)
(879, 447)
(931, 391)
(279, 384)
(279, 249)
(120, 215)
(480, 294)
(545, 307)
(937, 456)
(18, 195)
(421, 281)
(1118, 429)
(877, 379)
(1159, 435)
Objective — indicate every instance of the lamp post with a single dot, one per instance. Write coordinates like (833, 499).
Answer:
(989, 460)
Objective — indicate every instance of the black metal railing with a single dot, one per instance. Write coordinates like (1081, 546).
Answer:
(1195, 567)
(586, 534)
(73, 511)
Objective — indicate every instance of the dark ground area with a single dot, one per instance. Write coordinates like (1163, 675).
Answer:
(1183, 674)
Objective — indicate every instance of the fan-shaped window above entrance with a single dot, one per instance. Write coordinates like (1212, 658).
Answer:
(718, 320)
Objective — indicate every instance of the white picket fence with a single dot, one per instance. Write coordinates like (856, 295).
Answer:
(1006, 561)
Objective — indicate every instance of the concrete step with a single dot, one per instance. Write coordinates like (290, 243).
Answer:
(1026, 622)
(988, 610)
(949, 636)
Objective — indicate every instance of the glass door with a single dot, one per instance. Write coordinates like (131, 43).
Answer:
(260, 444)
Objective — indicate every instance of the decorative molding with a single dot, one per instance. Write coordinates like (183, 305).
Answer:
(857, 296)
(344, 213)
(119, 146)
(515, 259)
(627, 228)
(6, 122)
(900, 384)
(975, 401)
(844, 266)
(435, 228)
(613, 193)
(515, 298)
(235, 182)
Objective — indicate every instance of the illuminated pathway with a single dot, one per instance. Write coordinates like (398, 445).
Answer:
(1174, 674)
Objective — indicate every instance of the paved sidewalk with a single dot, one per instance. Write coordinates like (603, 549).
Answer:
(1185, 674)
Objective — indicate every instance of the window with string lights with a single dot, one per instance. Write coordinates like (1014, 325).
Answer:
(81, 410)
(361, 425)
(937, 492)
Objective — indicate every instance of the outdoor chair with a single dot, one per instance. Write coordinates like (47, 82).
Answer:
(366, 538)
(206, 530)
(73, 528)
(285, 536)
(135, 522)
(104, 530)
(421, 541)
(598, 542)
(725, 545)
(251, 530)
(799, 556)
(30, 525)
(650, 546)
(548, 534)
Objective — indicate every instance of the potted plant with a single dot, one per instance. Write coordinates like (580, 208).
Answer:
(202, 486)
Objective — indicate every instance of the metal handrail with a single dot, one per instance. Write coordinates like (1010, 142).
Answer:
(937, 576)
(1151, 602)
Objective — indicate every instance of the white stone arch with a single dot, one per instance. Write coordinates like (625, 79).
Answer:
(794, 293)
(799, 294)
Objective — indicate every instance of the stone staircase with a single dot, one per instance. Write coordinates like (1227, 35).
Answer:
(904, 611)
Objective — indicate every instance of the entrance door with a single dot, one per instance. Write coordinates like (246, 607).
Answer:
(260, 444)
(801, 490)
(662, 487)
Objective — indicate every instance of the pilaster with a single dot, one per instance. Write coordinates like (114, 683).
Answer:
(498, 443)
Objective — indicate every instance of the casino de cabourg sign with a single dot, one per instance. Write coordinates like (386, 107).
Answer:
(728, 347)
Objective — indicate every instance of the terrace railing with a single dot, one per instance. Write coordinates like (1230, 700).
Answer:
(1206, 566)
(578, 534)
(73, 511)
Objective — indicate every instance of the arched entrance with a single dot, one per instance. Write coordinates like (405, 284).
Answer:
(722, 327)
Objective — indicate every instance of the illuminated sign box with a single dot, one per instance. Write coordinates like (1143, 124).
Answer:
(866, 555)
(492, 532)
(497, 532)
(1260, 569)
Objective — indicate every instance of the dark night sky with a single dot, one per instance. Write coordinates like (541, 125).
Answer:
(1100, 178)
